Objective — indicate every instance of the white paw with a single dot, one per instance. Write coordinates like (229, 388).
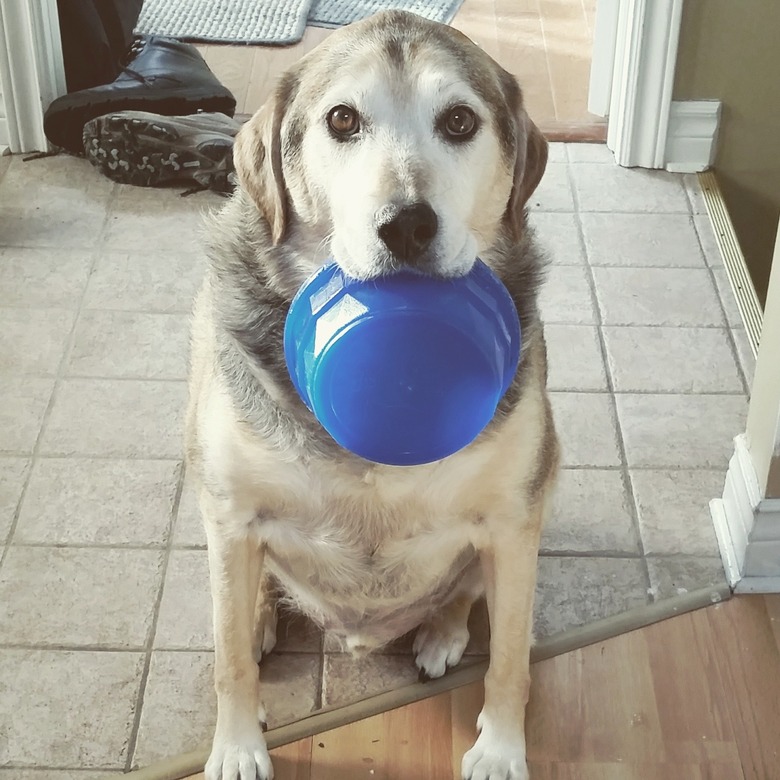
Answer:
(438, 646)
(265, 635)
(231, 760)
(494, 758)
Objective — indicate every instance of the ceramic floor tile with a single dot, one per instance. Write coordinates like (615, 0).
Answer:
(56, 202)
(554, 191)
(180, 707)
(189, 531)
(573, 591)
(23, 402)
(111, 502)
(675, 576)
(145, 281)
(590, 153)
(674, 512)
(556, 152)
(591, 513)
(32, 341)
(566, 296)
(574, 358)
(709, 243)
(179, 711)
(78, 597)
(57, 774)
(43, 278)
(559, 235)
(117, 418)
(693, 190)
(184, 622)
(747, 358)
(347, 679)
(13, 473)
(678, 360)
(612, 188)
(733, 315)
(129, 344)
(586, 428)
(157, 218)
(657, 296)
(50, 717)
(647, 240)
(680, 431)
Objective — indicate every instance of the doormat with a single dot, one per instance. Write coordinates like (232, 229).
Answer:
(269, 21)
(186, 764)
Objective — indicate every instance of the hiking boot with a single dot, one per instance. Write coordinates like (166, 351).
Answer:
(162, 75)
(149, 150)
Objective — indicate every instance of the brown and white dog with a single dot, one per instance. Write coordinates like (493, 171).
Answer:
(397, 142)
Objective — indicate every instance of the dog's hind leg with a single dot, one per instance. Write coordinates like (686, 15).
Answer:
(441, 641)
(265, 618)
(239, 750)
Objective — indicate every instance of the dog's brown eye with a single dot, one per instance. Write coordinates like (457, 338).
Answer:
(343, 120)
(460, 122)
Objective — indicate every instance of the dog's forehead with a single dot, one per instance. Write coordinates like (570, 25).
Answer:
(408, 55)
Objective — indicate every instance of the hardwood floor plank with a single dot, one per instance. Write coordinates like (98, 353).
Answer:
(748, 658)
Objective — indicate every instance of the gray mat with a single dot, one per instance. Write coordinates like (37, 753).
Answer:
(334, 13)
(226, 21)
(276, 22)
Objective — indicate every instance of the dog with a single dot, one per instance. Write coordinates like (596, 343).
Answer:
(397, 143)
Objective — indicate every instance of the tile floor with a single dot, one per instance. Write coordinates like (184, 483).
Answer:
(105, 638)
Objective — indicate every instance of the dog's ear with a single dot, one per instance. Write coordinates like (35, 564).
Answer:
(530, 162)
(257, 156)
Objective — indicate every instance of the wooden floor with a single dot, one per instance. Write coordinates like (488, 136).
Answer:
(545, 43)
(696, 697)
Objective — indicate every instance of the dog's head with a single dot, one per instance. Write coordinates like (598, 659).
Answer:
(399, 139)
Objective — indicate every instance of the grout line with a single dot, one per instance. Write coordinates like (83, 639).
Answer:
(133, 738)
(33, 455)
(624, 470)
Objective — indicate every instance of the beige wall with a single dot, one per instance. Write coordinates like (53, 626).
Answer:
(730, 50)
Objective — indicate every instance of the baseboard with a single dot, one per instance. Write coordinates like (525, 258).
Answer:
(747, 527)
(733, 259)
(691, 135)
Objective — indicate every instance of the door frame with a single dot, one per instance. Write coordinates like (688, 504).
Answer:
(632, 77)
(32, 73)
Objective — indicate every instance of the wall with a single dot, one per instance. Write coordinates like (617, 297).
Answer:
(729, 51)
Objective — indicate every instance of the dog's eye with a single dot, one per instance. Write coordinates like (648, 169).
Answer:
(343, 121)
(460, 123)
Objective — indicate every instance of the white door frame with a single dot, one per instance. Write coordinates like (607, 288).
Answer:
(632, 77)
(32, 73)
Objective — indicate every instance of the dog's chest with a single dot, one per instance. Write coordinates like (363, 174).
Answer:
(368, 545)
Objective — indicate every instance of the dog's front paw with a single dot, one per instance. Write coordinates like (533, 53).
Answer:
(495, 758)
(233, 760)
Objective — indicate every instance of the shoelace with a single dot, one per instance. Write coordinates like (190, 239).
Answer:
(136, 47)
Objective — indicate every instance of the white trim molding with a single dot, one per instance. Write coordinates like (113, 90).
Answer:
(602, 62)
(747, 527)
(691, 135)
(648, 33)
(747, 517)
(32, 73)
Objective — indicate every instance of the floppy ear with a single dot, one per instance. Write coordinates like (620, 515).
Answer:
(257, 157)
(530, 162)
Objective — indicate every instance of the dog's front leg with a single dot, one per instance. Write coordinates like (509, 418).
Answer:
(509, 560)
(239, 751)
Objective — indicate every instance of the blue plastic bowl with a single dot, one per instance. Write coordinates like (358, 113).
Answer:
(404, 369)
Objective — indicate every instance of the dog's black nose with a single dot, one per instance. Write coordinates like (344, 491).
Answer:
(410, 232)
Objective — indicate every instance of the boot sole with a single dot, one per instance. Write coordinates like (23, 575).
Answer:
(64, 123)
(151, 153)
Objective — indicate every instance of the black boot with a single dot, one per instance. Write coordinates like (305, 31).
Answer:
(149, 150)
(163, 76)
